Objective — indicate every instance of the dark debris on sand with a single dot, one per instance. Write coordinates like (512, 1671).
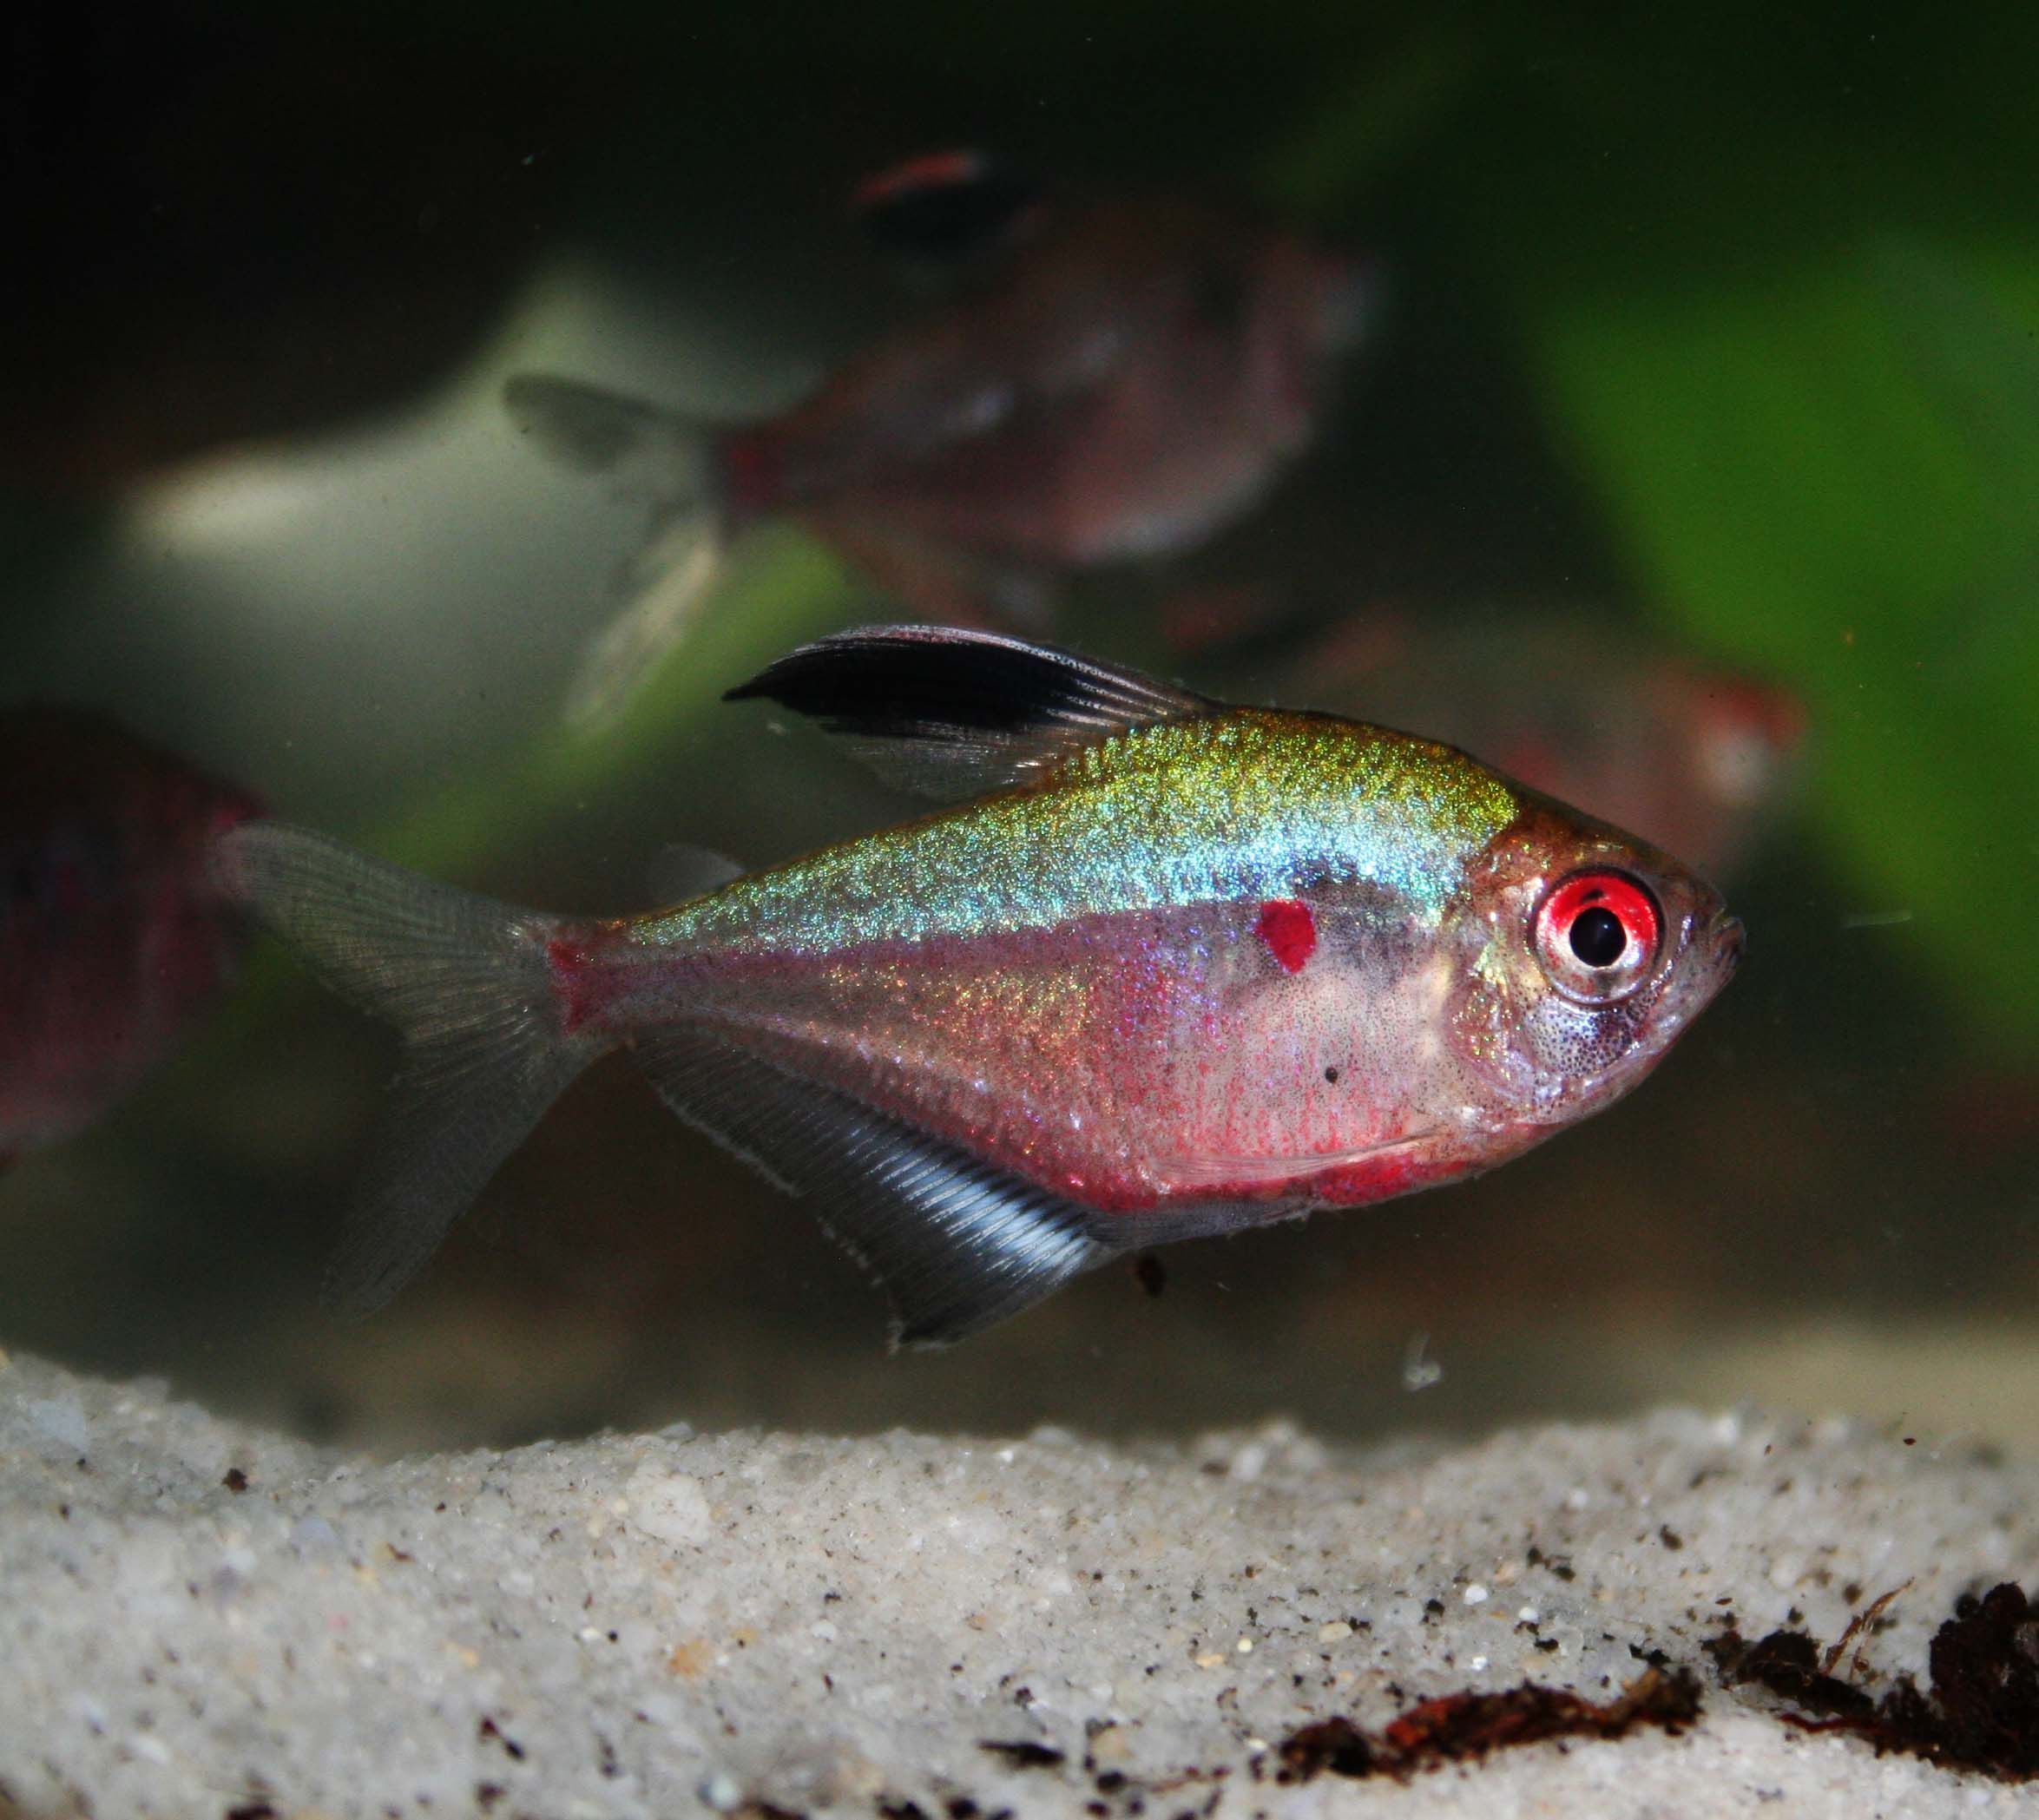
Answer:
(1459, 1727)
(1980, 1712)
(1024, 1753)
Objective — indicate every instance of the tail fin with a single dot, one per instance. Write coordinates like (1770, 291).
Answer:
(667, 462)
(466, 981)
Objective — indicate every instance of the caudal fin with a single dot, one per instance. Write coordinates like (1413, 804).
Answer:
(466, 982)
(666, 462)
(643, 450)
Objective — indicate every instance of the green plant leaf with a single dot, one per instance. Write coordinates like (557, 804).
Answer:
(1831, 471)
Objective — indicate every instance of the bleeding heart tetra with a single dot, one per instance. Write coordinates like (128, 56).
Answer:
(1174, 968)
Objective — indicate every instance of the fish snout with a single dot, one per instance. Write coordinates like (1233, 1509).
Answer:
(1721, 941)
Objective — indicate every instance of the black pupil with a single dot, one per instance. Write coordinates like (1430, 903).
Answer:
(1598, 937)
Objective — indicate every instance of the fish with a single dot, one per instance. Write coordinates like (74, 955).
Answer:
(115, 941)
(1108, 379)
(1153, 968)
(1696, 757)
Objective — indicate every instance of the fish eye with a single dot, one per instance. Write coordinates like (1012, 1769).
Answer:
(1597, 934)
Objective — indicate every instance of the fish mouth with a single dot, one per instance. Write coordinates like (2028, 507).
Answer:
(1712, 955)
(1708, 960)
(1723, 941)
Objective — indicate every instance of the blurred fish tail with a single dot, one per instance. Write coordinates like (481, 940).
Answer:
(699, 482)
(468, 984)
(643, 450)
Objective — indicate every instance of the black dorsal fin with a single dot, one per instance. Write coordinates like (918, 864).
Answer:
(957, 1244)
(950, 713)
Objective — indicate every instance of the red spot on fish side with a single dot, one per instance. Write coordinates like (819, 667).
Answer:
(1289, 929)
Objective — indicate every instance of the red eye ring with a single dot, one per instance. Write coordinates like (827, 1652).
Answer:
(1597, 933)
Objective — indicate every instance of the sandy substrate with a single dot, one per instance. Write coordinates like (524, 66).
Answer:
(198, 1619)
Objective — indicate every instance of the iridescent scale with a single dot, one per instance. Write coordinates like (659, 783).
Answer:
(1247, 804)
(1075, 978)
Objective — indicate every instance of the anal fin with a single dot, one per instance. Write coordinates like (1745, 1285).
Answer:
(957, 1243)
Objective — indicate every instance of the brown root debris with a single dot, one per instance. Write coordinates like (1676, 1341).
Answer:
(1981, 1710)
(1463, 1727)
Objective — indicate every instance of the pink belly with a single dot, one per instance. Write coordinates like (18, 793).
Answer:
(1130, 1063)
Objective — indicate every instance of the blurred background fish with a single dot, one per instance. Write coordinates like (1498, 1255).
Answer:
(1114, 377)
(113, 943)
(1700, 760)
